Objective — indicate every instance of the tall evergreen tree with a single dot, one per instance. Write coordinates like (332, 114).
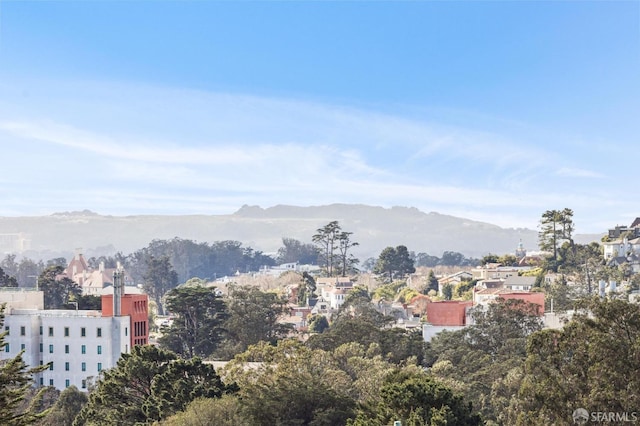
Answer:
(148, 385)
(58, 290)
(253, 318)
(197, 327)
(556, 226)
(293, 251)
(6, 280)
(326, 238)
(591, 363)
(16, 379)
(394, 262)
(159, 279)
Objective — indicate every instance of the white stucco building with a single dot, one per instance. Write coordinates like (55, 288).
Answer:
(77, 345)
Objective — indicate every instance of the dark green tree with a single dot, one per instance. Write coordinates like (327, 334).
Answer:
(326, 240)
(366, 327)
(447, 291)
(357, 304)
(426, 260)
(27, 272)
(10, 266)
(453, 258)
(66, 408)
(489, 258)
(58, 289)
(191, 259)
(110, 262)
(224, 411)
(464, 289)
(294, 251)
(6, 280)
(306, 289)
(318, 324)
(556, 226)
(57, 261)
(416, 399)
(486, 355)
(385, 265)
(16, 380)
(394, 262)
(253, 317)
(346, 261)
(159, 279)
(148, 385)
(89, 302)
(592, 363)
(293, 385)
(197, 329)
(432, 283)
(508, 260)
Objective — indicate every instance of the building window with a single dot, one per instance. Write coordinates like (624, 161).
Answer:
(50, 331)
(50, 349)
(99, 366)
(84, 366)
(50, 382)
(6, 328)
(41, 347)
(22, 346)
(126, 331)
(99, 349)
(66, 332)
(66, 383)
(84, 349)
(41, 381)
(66, 349)
(41, 330)
(23, 330)
(83, 332)
(66, 366)
(51, 366)
(84, 384)
(99, 332)
(6, 347)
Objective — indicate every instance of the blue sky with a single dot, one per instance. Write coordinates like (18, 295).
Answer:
(494, 111)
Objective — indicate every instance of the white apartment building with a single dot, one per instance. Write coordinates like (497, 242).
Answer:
(77, 345)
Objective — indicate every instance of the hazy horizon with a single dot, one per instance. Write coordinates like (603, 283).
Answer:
(490, 111)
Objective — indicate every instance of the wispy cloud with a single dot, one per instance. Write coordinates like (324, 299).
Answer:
(205, 152)
(578, 173)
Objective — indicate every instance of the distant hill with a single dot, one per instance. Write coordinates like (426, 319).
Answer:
(375, 228)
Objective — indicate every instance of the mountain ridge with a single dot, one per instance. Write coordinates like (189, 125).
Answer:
(373, 227)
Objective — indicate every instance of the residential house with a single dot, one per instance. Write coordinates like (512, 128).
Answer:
(320, 306)
(516, 282)
(297, 317)
(455, 279)
(276, 271)
(497, 271)
(325, 287)
(449, 315)
(483, 297)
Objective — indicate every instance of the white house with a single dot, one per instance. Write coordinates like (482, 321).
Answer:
(337, 297)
